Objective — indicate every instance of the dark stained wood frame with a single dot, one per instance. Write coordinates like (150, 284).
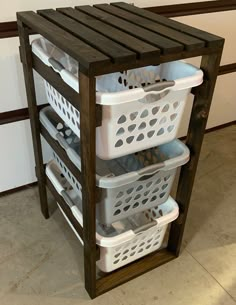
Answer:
(88, 121)
(9, 29)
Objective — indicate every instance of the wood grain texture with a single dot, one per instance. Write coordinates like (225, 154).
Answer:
(107, 46)
(142, 49)
(166, 45)
(88, 161)
(196, 130)
(135, 269)
(89, 57)
(210, 39)
(26, 57)
(189, 42)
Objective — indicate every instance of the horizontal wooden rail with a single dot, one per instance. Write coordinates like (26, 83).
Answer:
(61, 153)
(137, 268)
(16, 115)
(195, 8)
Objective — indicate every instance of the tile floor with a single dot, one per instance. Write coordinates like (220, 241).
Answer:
(41, 261)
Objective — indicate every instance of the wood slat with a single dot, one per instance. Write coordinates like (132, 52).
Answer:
(87, 56)
(166, 45)
(210, 39)
(137, 268)
(110, 48)
(188, 41)
(142, 49)
(61, 153)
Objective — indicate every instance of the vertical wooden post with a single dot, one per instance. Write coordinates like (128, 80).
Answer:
(26, 57)
(201, 107)
(87, 85)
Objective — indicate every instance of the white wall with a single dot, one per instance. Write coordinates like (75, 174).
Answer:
(16, 155)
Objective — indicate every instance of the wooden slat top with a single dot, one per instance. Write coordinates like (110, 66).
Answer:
(107, 38)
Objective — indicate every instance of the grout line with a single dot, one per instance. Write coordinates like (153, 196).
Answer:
(211, 275)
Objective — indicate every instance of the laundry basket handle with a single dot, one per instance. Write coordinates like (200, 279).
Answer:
(145, 227)
(161, 86)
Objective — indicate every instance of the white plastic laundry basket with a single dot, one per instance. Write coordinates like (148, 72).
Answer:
(129, 184)
(123, 241)
(142, 108)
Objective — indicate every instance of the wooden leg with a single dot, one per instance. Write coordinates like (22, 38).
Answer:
(197, 125)
(26, 58)
(88, 153)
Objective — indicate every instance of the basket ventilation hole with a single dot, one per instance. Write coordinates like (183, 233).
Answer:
(142, 244)
(122, 119)
(132, 253)
(164, 186)
(117, 255)
(78, 125)
(142, 126)
(59, 126)
(163, 120)
(126, 251)
(148, 246)
(133, 115)
(135, 205)
(124, 258)
(120, 194)
(173, 116)
(170, 128)
(134, 247)
(117, 212)
(140, 137)
(59, 105)
(128, 199)
(137, 197)
(153, 198)
(144, 201)
(64, 111)
(119, 203)
(151, 133)
(162, 194)
(149, 184)
(150, 240)
(165, 108)
(176, 104)
(68, 132)
(155, 190)
(155, 110)
(156, 243)
(69, 140)
(126, 208)
(120, 131)
(160, 132)
(139, 188)
(131, 127)
(68, 115)
(144, 114)
(146, 193)
(73, 121)
(130, 139)
(77, 113)
(129, 191)
(119, 143)
(116, 262)
(153, 122)
(140, 250)
(167, 178)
